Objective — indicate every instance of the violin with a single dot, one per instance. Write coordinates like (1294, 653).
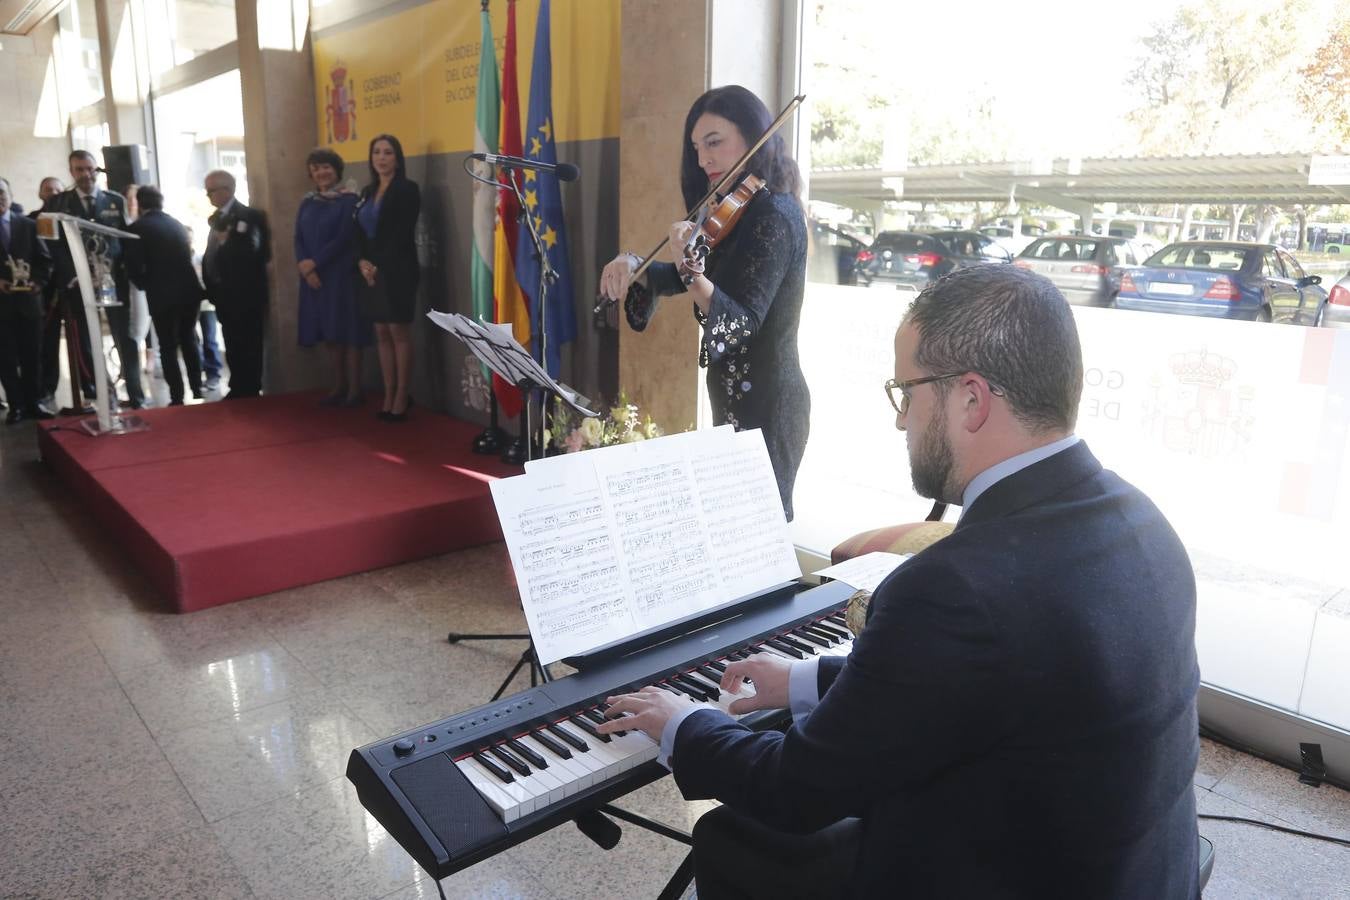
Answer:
(716, 222)
(716, 218)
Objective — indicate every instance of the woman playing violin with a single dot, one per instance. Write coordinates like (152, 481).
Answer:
(748, 295)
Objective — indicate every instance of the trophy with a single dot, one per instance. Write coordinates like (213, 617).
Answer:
(101, 269)
(20, 273)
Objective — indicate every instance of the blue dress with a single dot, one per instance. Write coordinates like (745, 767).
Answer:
(325, 232)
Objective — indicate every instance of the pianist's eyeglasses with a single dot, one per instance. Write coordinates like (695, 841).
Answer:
(903, 387)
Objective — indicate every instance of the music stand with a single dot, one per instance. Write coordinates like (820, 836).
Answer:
(497, 349)
(109, 419)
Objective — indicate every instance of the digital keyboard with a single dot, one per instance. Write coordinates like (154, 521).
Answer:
(464, 788)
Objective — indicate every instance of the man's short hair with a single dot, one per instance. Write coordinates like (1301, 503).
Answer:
(149, 197)
(1013, 327)
(320, 156)
(5, 182)
(221, 174)
(82, 154)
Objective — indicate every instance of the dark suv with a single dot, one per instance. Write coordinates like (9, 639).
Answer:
(911, 259)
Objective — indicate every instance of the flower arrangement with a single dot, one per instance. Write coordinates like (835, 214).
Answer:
(622, 423)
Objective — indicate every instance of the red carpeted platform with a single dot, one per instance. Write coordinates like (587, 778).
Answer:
(229, 500)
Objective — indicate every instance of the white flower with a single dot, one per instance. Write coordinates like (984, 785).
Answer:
(633, 437)
(591, 431)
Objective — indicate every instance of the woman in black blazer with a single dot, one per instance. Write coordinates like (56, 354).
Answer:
(387, 217)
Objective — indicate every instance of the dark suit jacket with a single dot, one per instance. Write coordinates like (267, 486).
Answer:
(160, 263)
(1017, 718)
(235, 273)
(393, 250)
(110, 208)
(26, 246)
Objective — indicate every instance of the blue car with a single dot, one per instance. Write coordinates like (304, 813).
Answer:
(1224, 279)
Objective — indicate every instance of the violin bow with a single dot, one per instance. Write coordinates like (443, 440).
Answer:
(726, 179)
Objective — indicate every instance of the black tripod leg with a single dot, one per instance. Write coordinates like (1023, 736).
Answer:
(680, 881)
(520, 663)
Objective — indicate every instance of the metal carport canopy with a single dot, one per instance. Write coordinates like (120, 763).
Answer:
(1279, 179)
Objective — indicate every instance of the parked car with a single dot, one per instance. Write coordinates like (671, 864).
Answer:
(832, 252)
(1086, 269)
(1226, 279)
(911, 259)
(1336, 313)
(1014, 243)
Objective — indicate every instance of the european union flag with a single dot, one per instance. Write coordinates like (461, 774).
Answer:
(543, 199)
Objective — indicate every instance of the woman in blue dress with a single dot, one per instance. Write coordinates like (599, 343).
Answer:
(325, 252)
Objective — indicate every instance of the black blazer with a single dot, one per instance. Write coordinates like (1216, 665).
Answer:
(235, 271)
(110, 208)
(393, 250)
(1017, 718)
(26, 246)
(160, 263)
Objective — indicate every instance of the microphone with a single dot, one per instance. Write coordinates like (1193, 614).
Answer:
(564, 171)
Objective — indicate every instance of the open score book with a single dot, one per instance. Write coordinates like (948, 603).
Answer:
(608, 544)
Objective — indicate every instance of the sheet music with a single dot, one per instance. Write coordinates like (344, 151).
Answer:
(565, 562)
(611, 542)
(867, 571)
(496, 347)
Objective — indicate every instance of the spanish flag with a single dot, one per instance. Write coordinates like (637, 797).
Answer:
(510, 303)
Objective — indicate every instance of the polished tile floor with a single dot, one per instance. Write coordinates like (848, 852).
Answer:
(145, 754)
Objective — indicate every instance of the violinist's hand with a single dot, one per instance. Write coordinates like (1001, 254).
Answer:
(680, 233)
(617, 275)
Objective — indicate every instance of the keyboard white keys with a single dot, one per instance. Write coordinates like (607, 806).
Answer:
(564, 776)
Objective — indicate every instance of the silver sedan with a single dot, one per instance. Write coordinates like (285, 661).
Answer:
(1336, 311)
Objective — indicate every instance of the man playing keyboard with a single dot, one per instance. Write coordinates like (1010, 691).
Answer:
(1017, 718)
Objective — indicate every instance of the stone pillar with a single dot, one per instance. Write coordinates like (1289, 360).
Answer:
(124, 94)
(672, 53)
(279, 131)
(661, 77)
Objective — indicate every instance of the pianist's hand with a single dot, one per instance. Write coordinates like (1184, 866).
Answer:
(647, 710)
(770, 676)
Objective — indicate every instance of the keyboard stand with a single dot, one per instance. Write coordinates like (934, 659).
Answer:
(679, 882)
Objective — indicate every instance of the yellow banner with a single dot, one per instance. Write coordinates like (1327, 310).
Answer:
(414, 74)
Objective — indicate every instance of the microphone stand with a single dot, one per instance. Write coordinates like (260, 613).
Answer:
(521, 449)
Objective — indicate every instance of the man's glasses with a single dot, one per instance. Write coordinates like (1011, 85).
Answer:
(903, 387)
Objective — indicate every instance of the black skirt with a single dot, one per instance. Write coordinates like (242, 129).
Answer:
(378, 304)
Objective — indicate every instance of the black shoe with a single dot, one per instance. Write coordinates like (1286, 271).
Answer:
(37, 412)
(132, 404)
(14, 417)
(176, 402)
(2, 405)
(394, 417)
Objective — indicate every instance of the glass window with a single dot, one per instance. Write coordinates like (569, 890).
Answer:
(1291, 266)
(81, 72)
(1271, 267)
(181, 30)
(197, 129)
(1200, 256)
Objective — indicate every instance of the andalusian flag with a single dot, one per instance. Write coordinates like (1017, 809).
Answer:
(510, 304)
(543, 198)
(485, 196)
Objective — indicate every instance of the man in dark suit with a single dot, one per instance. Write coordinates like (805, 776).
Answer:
(234, 268)
(1017, 718)
(88, 201)
(25, 266)
(160, 263)
(49, 192)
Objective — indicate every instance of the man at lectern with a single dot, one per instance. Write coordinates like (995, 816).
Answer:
(1017, 718)
(25, 266)
(87, 200)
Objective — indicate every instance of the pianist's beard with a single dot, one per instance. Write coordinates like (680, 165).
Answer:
(930, 458)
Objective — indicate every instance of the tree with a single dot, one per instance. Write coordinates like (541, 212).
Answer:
(1212, 77)
(1324, 91)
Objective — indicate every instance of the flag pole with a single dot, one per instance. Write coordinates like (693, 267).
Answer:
(492, 438)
